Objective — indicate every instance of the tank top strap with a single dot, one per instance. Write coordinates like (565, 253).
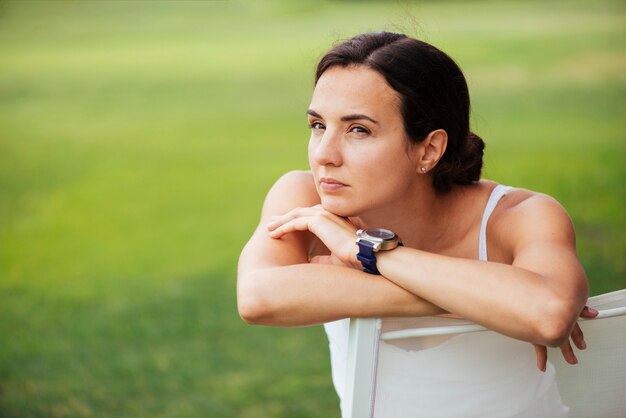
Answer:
(494, 198)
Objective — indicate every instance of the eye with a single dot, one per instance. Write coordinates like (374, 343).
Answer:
(359, 130)
(316, 125)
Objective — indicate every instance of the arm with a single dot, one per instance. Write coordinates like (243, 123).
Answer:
(276, 284)
(537, 298)
(535, 293)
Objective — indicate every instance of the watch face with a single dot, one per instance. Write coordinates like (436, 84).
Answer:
(382, 234)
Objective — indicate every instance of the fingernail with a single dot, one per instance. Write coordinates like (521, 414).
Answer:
(574, 359)
(583, 345)
(593, 311)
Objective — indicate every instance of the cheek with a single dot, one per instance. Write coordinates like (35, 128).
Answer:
(391, 175)
(386, 161)
(310, 152)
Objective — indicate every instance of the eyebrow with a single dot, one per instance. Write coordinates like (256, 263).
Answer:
(354, 116)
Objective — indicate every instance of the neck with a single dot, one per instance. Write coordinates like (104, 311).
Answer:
(423, 219)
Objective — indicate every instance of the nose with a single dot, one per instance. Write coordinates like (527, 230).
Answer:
(327, 149)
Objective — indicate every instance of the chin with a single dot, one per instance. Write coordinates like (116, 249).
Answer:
(338, 207)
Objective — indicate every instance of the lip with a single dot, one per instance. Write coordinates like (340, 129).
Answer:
(329, 184)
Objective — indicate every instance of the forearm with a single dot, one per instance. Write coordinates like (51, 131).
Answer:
(307, 294)
(511, 300)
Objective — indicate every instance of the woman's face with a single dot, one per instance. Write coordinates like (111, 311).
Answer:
(358, 149)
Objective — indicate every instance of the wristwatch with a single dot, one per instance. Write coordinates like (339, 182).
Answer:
(371, 241)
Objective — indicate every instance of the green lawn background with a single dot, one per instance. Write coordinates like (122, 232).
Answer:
(137, 140)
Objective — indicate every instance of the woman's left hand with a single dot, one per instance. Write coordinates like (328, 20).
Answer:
(566, 348)
(337, 233)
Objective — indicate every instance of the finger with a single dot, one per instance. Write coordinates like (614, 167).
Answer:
(542, 357)
(304, 219)
(588, 312)
(276, 221)
(568, 353)
(296, 224)
(578, 338)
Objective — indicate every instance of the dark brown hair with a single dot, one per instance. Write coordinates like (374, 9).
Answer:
(433, 93)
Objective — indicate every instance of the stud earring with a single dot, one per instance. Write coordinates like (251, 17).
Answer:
(422, 169)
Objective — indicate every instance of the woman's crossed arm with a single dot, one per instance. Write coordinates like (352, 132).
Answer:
(277, 285)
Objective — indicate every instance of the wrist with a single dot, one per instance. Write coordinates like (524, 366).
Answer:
(387, 259)
(371, 243)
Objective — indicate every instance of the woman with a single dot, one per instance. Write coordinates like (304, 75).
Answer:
(391, 148)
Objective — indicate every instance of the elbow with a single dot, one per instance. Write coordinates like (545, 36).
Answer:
(553, 332)
(252, 311)
(555, 325)
(254, 308)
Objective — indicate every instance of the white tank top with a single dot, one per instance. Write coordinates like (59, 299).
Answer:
(496, 194)
(481, 374)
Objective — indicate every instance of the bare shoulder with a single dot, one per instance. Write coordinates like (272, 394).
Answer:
(524, 216)
(533, 231)
(293, 189)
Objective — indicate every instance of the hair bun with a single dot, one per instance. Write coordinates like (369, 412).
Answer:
(472, 160)
(462, 167)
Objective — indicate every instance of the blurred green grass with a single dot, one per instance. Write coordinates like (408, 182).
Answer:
(137, 140)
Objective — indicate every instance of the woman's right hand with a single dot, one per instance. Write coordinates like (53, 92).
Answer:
(337, 233)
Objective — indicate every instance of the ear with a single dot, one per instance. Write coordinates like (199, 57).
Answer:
(432, 149)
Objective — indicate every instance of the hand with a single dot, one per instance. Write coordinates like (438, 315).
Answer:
(566, 349)
(337, 233)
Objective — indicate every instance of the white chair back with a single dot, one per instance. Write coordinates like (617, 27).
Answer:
(596, 387)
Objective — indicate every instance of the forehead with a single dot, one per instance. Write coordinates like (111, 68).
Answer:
(355, 89)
